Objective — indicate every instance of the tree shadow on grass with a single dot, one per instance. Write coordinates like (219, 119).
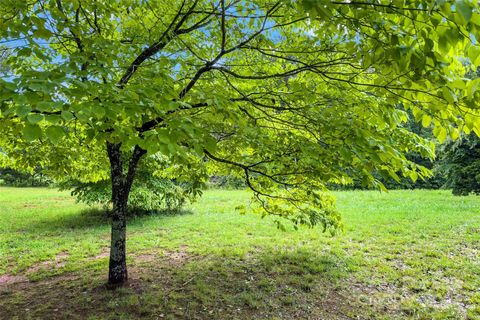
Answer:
(282, 284)
(84, 219)
(97, 218)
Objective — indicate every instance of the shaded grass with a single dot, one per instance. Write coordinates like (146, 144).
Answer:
(405, 254)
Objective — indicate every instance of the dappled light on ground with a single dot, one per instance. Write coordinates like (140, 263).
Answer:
(177, 284)
(403, 255)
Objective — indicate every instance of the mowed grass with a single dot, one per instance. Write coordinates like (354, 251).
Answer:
(403, 255)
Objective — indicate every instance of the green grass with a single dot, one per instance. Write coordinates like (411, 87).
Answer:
(403, 255)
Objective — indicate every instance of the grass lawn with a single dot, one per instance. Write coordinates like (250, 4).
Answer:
(403, 255)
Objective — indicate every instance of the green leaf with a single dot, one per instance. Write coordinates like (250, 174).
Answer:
(475, 18)
(448, 95)
(454, 134)
(413, 175)
(476, 128)
(67, 115)
(99, 112)
(23, 110)
(394, 175)
(210, 144)
(42, 33)
(464, 9)
(53, 118)
(473, 53)
(44, 106)
(442, 135)
(32, 132)
(426, 120)
(34, 118)
(55, 134)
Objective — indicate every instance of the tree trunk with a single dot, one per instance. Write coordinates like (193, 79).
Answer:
(121, 185)
(117, 269)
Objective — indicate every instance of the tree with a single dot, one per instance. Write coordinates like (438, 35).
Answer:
(460, 162)
(291, 95)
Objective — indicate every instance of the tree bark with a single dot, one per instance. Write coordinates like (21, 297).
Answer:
(121, 186)
(117, 269)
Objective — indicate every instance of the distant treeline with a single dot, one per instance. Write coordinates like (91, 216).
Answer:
(14, 178)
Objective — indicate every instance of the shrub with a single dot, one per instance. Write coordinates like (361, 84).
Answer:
(227, 181)
(149, 194)
(460, 162)
(14, 178)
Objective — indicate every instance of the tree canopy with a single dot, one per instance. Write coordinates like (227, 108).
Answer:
(290, 95)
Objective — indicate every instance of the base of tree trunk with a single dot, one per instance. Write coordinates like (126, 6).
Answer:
(117, 277)
(117, 269)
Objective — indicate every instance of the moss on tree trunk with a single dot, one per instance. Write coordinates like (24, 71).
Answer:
(117, 270)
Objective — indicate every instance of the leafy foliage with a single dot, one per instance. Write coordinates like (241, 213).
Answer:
(461, 164)
(11, 177)
(435, 181)
(151, 192)
(227, 181)
(150, 195)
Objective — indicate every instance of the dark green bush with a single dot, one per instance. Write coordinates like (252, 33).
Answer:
(460, 162)
(14, 178)
(149, 193)
(226, 182)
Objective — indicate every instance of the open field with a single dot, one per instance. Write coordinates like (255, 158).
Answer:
(405, 255)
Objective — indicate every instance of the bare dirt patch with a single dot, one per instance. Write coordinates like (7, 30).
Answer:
(7, 279)
(103, 254)
(30, 205)
(178, 257)
(147, 257)
(58, 262)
